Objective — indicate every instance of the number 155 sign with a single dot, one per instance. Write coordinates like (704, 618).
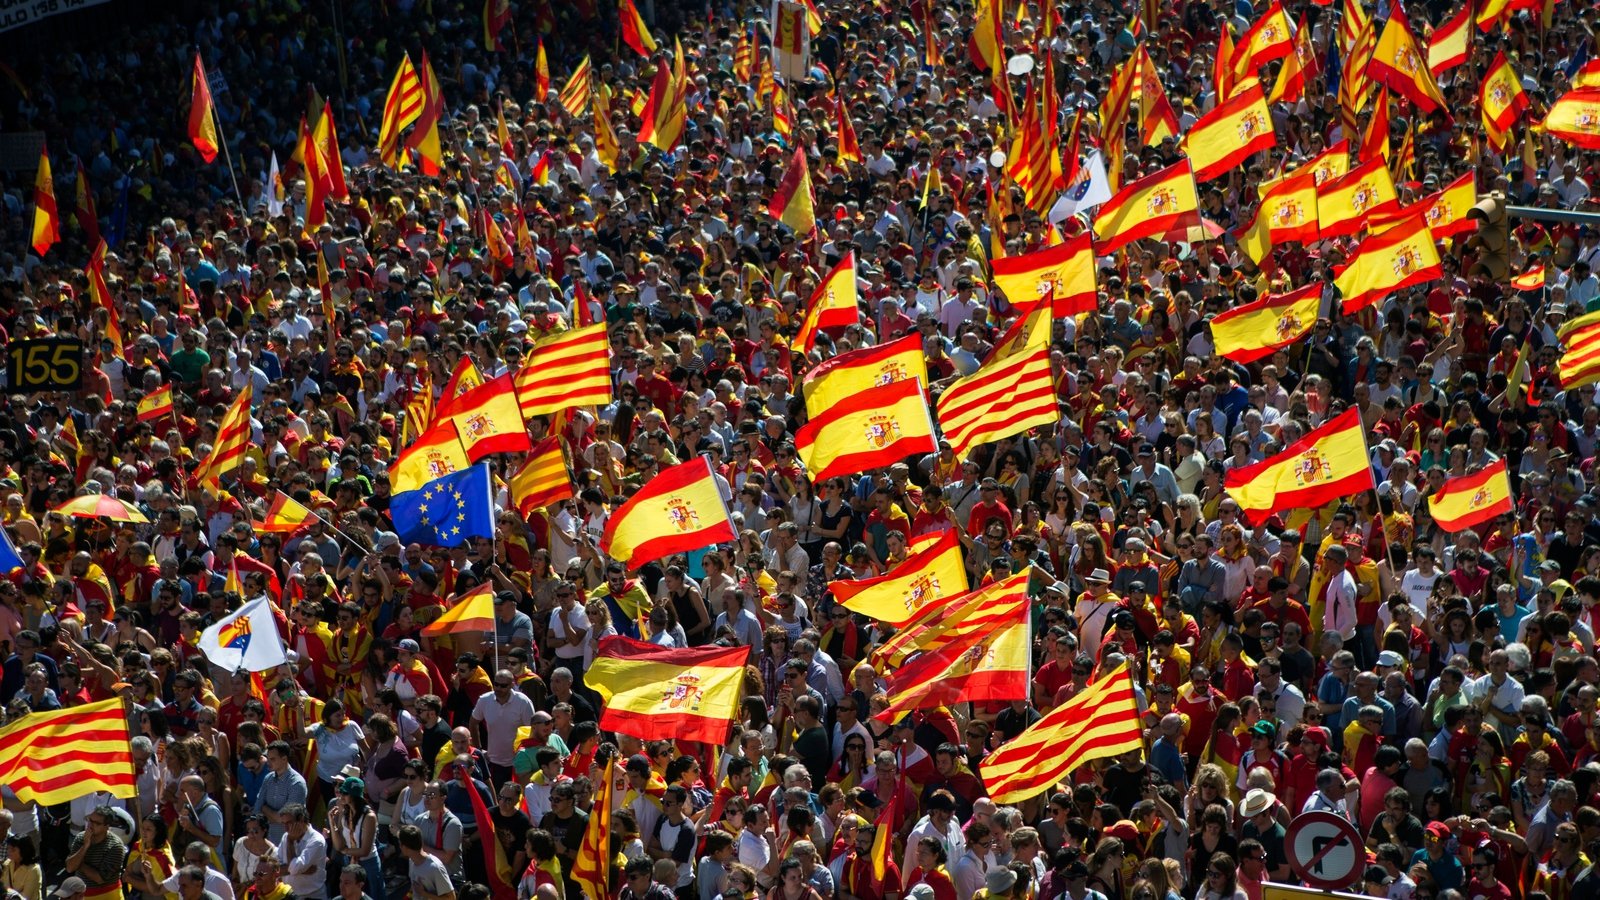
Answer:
(50, 364)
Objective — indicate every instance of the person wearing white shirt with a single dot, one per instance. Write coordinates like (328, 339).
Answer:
(1498, 694)
(303, 852)
(1339, 597)
(941, 825)
(1417, 584)
(499, 714)
(198, 856)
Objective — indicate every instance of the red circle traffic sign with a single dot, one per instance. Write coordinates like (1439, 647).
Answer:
(1324, 850)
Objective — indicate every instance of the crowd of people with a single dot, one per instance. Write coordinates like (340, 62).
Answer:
(1438, 690)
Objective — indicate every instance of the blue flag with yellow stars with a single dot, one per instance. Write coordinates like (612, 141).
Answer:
(446, 511)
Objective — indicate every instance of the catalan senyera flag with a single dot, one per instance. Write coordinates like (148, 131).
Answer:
(645, 689)
(947, 620)
(989, 665)
(1329, 462)
(635, 33)
(1574, 118)
(575, 93)
(661, 122)
(1257, 329)
(897, 596)
(543, 478)
(832, 304)
(678, 511)
(564, 370)
(1005, 396)
(1468, 501)
(1065, 273)
(1098, 722)
(286, 515)
(401, 110)
(791, 201)
(202, 114)
(435, 453)
(155, 405)
(1580, 357)
(876, 428)
(1343, 205)
(1288, 212)
(231, 443)
(472, 611)
(591, 867)
(837, 379)
(502, 881)
(488, 419)
(46, 216)
(1398, 63)
(1229, 133)
(1500, 95)
(1403, 256)
(61, 755)
(1451, 42)
(1151, 206)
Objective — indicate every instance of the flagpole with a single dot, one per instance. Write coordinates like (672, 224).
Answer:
(222, 138)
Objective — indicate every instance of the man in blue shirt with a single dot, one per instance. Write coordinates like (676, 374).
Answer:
(1165, 753)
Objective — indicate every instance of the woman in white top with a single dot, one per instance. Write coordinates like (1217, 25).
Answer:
(600, 626)
(409, 805)
(248, 850)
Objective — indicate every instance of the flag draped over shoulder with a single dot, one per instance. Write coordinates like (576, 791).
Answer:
(61, 755)
(897, 596)
(1329, 462)
(1256, 330)
(1098, 722)
(679, 510)
(1468, 501)
(647, 690)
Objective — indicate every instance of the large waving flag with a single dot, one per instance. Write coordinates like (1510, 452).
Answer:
(1344, 204)
(1399, 258)
(1329, 462)
(661, 123)
(246, 638)
(435, 453)
(447, 511)
(1297, 68)
(1468, 501)
(1574, 118)
(1398, 63)
(1256, 330)
(488, 419)
(876, 428)
(946, 620)
(1288, 212)
(791, 201)
(896, 596)
(835, 380)
(1230, 133)
(1065, 273)
(1006, 396)
(565, 370)
(679, 510)
(1451, 42)
(46, 217)
(543, 479)
(401, 110)
(470, 612)
(647, 690)
(984, 666)
(1098, 722)
(231, 443)
(1500, 97)
(1447, 210)
(832, 304)
(1270, 38)
(1151, 206)
(635, 33)
(53, 757)
(1580, 358)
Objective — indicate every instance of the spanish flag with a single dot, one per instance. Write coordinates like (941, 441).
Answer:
(1451, 42)
(896, 596)
(1099, 722)
(1327, 166)
(1468, 501)
(435, 453)
(832, 305)
(1064, 272)
(1574, 118)
(836, 380)
(947, 620)
(565, 370)
(986, 665)
(1329, 462)
(791, 200)
(1447, 209)
(1531, 280)
(543, 478)
(1500, 96)
(1343, 205)
(849, 145)
(541, 73)
(286, 515)
(1151, 206)
(677, 511)
(1288, 212)
(1403, 256)
(648, 691)
(57, 756)
(202, 115)
(873, 429)
(1398, 63)
(156, 405)
(472, 611)
(635, 33)
(1270, 38)
(1296, 68)
(46, 217)
(1588, 74)
(488, 419)
(1256, 330)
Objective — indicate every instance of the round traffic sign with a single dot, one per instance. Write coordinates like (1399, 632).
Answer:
(1325, 850)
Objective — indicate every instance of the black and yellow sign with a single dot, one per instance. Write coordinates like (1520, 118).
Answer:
(49, 364)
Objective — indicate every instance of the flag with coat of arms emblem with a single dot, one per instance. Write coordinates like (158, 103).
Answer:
(874, 428)
(1089, 188)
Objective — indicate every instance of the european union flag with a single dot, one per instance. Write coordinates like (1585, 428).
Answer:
(446, 511)
(10, 560)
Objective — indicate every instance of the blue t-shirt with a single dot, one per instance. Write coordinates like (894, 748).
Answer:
(1168, 761)
(1332, 690)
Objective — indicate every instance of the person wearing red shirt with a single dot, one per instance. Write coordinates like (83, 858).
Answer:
(1238, 678)
(934, 515)
(660, 391)
(1279, 609)
(857, 872)
(989, 507)
(1484, 885)
(1055, 674)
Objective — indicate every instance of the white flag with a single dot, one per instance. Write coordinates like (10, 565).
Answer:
(1091, 189)
(274, 188)
(247, 639)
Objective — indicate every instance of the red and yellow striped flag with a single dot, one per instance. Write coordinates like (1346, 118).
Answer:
(1153, 205)
(635, 33)
(591, 867)
(1468, 501)
(541, 73)
(1230, 133)
(945, 621)
(874, 429)
(678, 511)
(232, 441)
(838, 378)
(1403, 256)
(46, 217)
(636, 682)
(1344, 204)
(575, 94)
(53, 757)
(1099, 722)
(791, 201)
(1005, 396)
(401, 110)
(564, 370)
(991, 664)
(100, 293)
(543, 478)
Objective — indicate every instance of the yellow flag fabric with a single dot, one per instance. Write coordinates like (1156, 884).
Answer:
(435, 454)
(1099, 722)
(473, 611)
(848, 374)
(648, 690)
(61, 755)
(897, 596)
(678, 511)
(874, 429)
